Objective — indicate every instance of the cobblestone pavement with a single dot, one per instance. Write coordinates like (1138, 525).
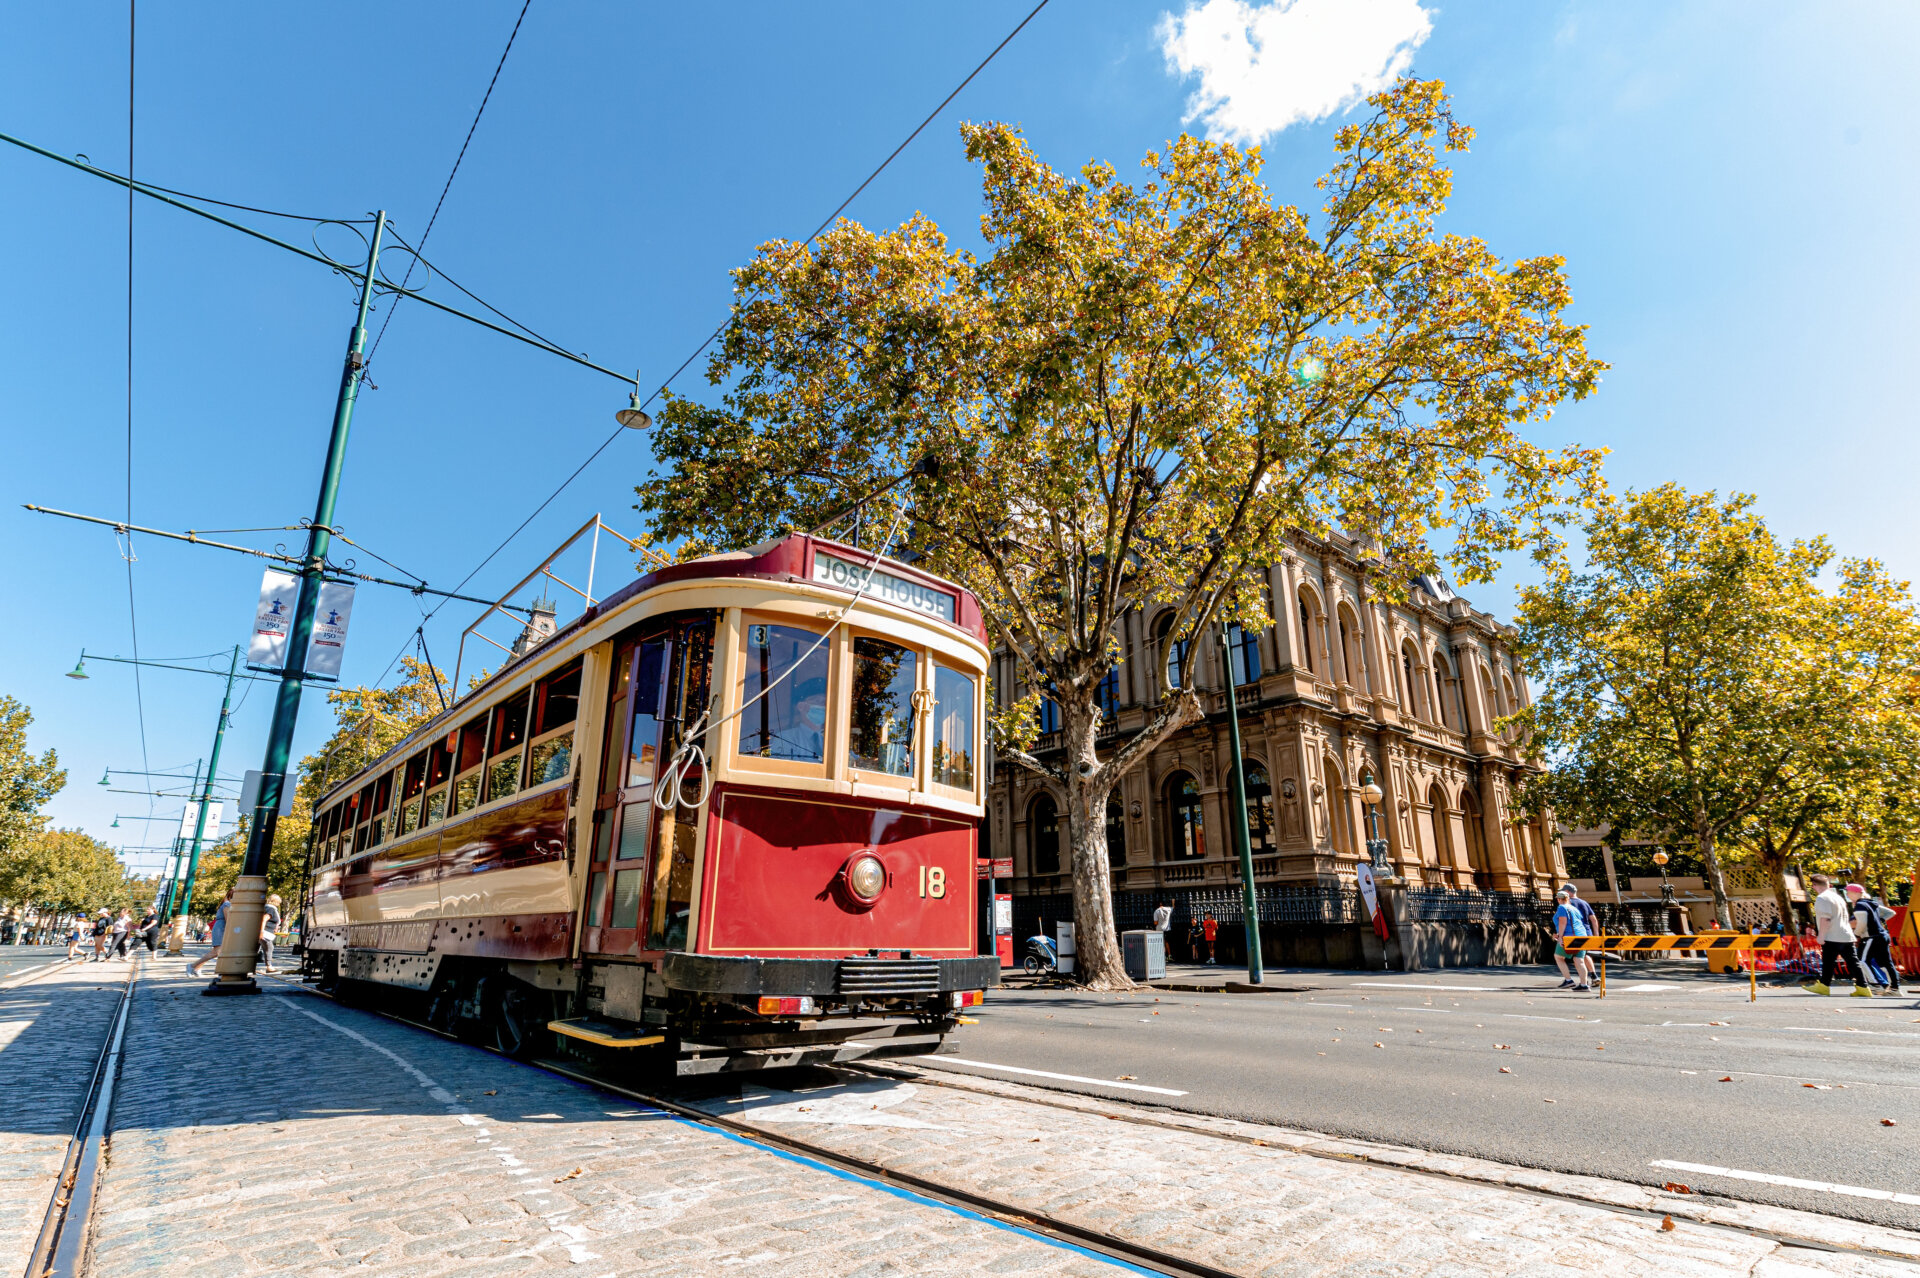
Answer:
(1275, 1210)
(287, 1135)
(51, 1033)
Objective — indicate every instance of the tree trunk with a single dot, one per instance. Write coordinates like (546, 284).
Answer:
(1776, 867)
(1095, 939)
(1710, 863)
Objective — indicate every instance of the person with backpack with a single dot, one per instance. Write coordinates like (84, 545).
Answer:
(1582, 961)
(1838, 944)
(1876, 945)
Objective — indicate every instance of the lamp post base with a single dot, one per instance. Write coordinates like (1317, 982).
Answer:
(219, 986)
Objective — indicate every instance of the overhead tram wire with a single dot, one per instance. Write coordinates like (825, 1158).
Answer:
(133, 612)
(448, 185)
(734, 314)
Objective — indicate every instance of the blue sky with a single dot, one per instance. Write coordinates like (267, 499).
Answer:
(1732, 187)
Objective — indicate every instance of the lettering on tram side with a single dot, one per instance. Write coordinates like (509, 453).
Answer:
(831, 570)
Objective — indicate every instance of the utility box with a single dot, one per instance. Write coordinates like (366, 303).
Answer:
(1145, 954)
(1063, 947)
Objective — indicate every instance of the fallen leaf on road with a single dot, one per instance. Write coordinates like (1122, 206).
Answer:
(1818, 1087)
(570, 1175)
(1118, 1078)
(1419, 1031)
(1503, 1047)
(1549, 1100)
(1888, 1122)
(1666, 1224)
(494, 1092)
(1601, 1048)
(1379, 1044)
(1675, 1187)
(1505, 1070)
(1319, 1053)
(1727, 1079)
(1718, 1022)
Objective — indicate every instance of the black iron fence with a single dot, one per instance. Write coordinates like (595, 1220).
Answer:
(1473, 905)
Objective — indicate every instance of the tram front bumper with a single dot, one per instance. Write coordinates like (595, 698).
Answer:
(850, 979)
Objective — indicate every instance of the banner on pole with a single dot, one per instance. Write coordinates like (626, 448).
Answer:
(1363, 871)
(329, 640)
(192, 815)
(273, 619)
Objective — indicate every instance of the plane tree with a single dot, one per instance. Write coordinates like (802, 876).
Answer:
(1130, 396)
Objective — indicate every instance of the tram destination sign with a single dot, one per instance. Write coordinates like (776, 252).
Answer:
(844, 574)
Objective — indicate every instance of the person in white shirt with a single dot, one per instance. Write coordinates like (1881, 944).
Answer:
(1831, 913)
(1162, 918)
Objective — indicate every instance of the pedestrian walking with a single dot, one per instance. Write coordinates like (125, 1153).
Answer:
(269, 924)
(102, 924)
(1209, 929)
(149, 929)
(1196, 938)
(1837, 941)
(218, 932)
(1567, 922)
(121, 934)
(1582, 961)
(1876, 945)
(75, 930)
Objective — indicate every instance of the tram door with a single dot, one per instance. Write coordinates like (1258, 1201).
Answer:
(640, 885)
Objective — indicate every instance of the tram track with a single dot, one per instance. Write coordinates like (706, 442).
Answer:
(59, 1250)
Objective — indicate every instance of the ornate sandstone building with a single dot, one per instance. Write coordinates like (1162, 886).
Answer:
(1344, 685)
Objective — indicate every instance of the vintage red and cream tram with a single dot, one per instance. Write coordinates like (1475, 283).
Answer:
(724, 819)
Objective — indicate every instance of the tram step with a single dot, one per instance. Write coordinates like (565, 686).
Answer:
(605, 1033)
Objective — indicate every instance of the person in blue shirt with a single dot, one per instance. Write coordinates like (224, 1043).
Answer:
(1568, 922)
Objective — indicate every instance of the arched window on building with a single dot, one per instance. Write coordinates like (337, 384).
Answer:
(1174, 652)
(1306, 633)
(1352, 651)
(1243, 647)
(1407, 667)
(1259, 807)
(1338, 813)
(1438, 823)
(1186, 832)
(1043, 835)
(1116, 836)
(1440, 675)
(1475, 821)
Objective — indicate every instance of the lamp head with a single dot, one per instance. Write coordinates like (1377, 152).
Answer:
(1369, 791)
(115, 825)
(1659, 858)
(633, 417)
(79, 670)
(105, 777)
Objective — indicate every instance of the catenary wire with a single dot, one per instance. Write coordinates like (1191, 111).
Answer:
(486, 97)
(733, 316)
(133, 612)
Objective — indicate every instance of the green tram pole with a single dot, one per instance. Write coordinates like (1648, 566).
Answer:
(183, 898)
(1242, 843)
(240, 946)
(164, 902)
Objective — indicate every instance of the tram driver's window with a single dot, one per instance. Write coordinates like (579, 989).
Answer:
(952, 728)
(884, 679)
(790, 721)
(468, 756)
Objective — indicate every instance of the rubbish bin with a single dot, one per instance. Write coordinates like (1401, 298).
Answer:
(1145, 954)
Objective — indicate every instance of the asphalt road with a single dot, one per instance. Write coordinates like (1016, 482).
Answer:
(16, 959)
(1608, 1087)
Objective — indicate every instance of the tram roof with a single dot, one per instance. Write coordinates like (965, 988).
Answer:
(796, 558)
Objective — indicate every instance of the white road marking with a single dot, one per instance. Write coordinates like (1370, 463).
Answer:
(1571, 1020)
(1407, 985)
(1345, 1007)
(1791, 1182)
(1444, 1011)
(1803, 1029)
(1636, 987)
(1065, 1078)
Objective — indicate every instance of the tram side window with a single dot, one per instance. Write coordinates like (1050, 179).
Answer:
(439, 768)
(556, 704)
(323, 827)
(362, 827)
(790, 721)
(952, 728)
(884, 679)
(469, 755)
(413, 782)
(382, 799)
(509, 735)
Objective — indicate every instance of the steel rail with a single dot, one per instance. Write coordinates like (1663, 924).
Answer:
(1050, 1227)
(59, 1249)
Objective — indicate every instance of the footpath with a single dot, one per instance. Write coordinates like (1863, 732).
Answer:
(285, 1134)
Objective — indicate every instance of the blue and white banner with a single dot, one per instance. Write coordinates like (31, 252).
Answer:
(273, 620)
(329, 640)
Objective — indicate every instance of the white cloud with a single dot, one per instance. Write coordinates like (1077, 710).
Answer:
(1263, 67)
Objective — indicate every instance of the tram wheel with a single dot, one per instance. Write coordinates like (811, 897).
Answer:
(517, 1021)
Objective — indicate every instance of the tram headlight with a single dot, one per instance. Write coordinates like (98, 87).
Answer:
(866, 877)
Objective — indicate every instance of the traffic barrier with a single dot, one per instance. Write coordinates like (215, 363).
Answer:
(1727, 943)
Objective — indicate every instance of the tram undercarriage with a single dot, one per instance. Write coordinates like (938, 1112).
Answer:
(696, 1014)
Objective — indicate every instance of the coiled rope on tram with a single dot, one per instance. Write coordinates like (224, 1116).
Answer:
(667, 794)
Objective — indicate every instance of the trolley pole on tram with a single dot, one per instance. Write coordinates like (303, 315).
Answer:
(240, 946)
(183, 897)
(1238, 807)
